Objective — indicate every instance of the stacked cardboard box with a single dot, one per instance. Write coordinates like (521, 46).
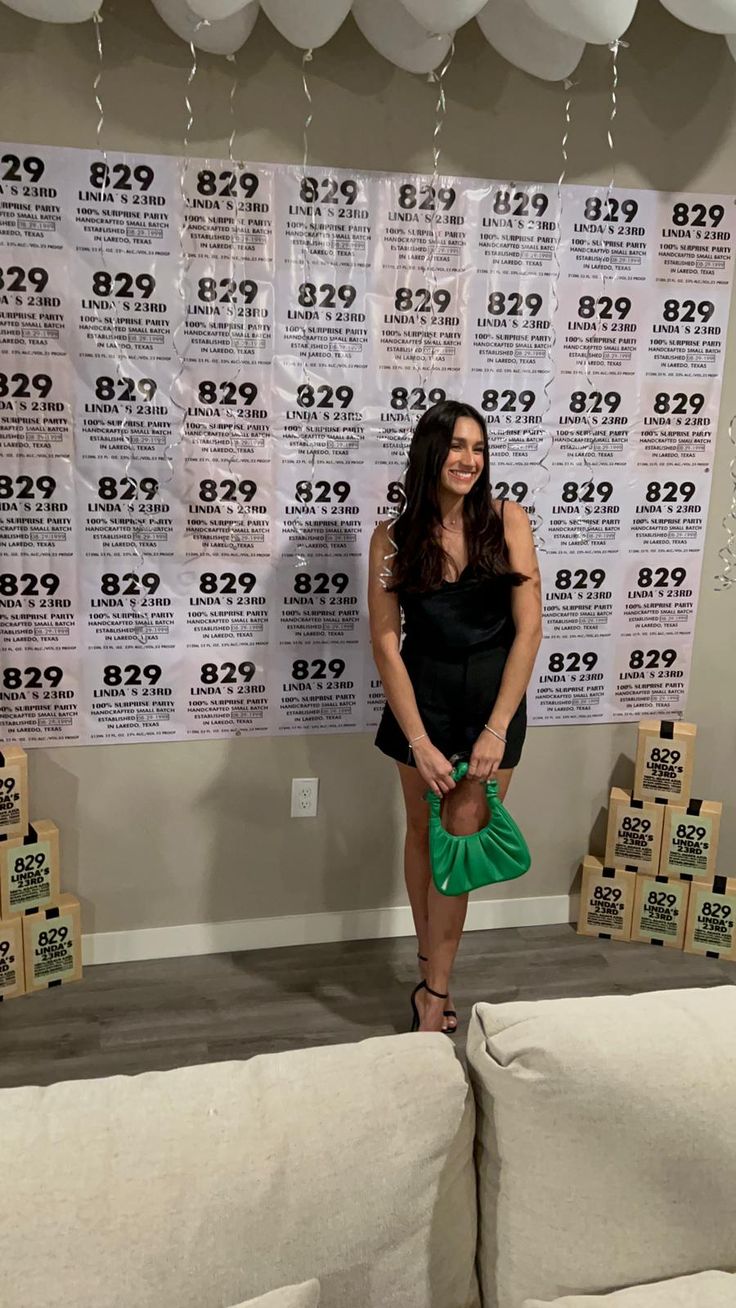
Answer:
(40, 934)
(657, 882)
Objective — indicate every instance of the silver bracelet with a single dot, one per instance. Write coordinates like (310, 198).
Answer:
(494, 733)
(416, 738)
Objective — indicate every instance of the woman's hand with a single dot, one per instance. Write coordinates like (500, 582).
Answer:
(433, 767)
(486, 757)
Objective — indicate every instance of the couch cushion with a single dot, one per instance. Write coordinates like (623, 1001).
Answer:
(707, 1290)
(606, 1141)
(205, 1186)
(305, 1295)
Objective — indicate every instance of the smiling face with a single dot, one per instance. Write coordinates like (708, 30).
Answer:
(465, 459)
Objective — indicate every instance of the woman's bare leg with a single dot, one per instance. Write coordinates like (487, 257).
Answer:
(416, 850)
(417, 870)
(463, 811)
(504, 781)
(438, 919)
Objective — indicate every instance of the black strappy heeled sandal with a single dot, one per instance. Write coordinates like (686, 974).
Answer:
(416, 1019)
(448, 1012)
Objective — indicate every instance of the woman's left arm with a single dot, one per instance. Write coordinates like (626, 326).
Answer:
(526, 609)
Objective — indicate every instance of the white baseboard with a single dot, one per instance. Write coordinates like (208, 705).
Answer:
(309, 929)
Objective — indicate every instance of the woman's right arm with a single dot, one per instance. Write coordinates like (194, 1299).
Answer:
(385, 620)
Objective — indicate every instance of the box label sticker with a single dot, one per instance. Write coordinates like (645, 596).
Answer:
(661, 911)
(689, 843)
(8, 966)
(635, 839)
(664, 768)
(606, 908)
(52, 949)
(714, 922)
(29, 875)
(9, 801)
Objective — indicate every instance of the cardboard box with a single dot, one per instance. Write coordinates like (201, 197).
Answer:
(634, 836)
(711, 920)
(29, 869)
(606, 900)
(53, 944)
(690, 840)
(13, 790)
(12, 973)
(665, 757)
(660, 911)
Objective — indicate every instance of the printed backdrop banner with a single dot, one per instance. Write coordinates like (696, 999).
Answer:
(209, 374)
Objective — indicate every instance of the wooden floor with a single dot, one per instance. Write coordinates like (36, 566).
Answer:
(136, 1017)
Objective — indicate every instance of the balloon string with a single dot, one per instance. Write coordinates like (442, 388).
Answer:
(440, 107)
(139, 630)
(569, 86)
(190, 79)
(727, 553)
(430, 272)
(307, 58)
(549, 440)
(185, 260)
(233, 124)
(98, 79)
(306, 350)
(614, 47)
(430, 275)
(589, 450)
(232, 439)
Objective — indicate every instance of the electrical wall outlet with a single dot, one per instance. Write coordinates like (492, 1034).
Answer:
(304, 792)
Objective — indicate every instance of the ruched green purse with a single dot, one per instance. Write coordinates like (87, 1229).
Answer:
(462, 863)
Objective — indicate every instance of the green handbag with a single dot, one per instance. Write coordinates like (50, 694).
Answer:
(462, 863)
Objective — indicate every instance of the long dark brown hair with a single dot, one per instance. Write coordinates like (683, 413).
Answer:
(421, 562)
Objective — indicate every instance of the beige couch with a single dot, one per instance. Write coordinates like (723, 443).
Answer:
(603, 1156)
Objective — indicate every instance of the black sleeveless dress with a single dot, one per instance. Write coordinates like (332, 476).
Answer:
(456, 642)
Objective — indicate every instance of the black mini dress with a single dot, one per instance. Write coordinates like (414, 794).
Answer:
(456, 642)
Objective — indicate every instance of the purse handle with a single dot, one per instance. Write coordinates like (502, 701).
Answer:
(458, 772)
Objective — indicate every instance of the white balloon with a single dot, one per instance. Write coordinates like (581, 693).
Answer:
(600, 23)
(307, 23)
(216, 9)
(393, 32)
(223, 37)
(708, 15)
(56, 11)
(522, 38)
(443, 15)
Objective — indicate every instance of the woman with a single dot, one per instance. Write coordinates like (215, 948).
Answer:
(462, 570)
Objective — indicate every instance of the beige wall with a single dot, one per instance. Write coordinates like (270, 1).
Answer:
(157, 835)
